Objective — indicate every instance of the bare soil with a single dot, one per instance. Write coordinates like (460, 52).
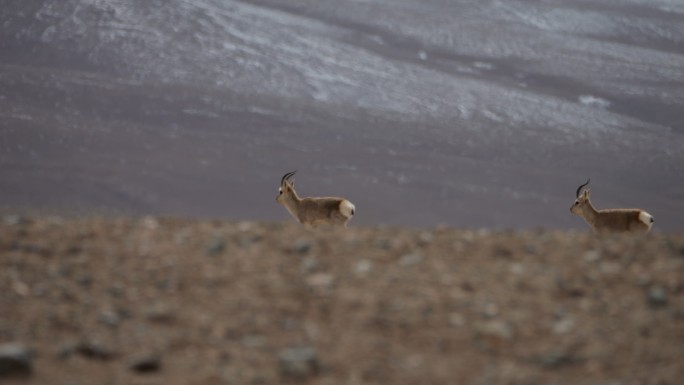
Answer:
(174, 301)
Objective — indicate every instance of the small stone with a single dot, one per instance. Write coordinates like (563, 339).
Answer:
(110, 318)
(592, 255)
(298, 362)
(555, 359)
(425, 238)
(160, 313)
(657, 297)
(13, 220)
(491, 310)
(410, 259)
(363, 267)
(117, 291)
(85, 280)
(496, 328)
(95, 350)
(563, 326)
(302, 246)
(517, 269)
(150, 223)
(320, 281)
(15, 360)
(67, 349)
(249, 240)
(456, 320)
(382, 243)
(216, 247)
(308, 264)
(253, 341)
(146, 363)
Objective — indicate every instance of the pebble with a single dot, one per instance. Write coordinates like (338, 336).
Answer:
(308, 264)
(15, 360)
(592, 255)
(110, 318)
(146, 363)
(160, 313)
(456, 320)
(410, 259)
(322, 281)
(95, 350)
(563, 326)
(302, 246)
(216, 247)
(496, 328)
(425, 238)
(657, 297)
(13, 220)
(298, 362)
(555, 359)
(363, 267)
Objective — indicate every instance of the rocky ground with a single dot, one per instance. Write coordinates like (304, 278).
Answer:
(175, 301)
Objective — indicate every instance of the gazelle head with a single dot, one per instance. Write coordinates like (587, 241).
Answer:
(581, 199)
(286, 189)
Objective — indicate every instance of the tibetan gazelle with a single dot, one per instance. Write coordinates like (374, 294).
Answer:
(612, 220)
(313, 211)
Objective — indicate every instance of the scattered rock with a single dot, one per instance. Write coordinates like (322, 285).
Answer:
(110, 318)
(13, 220)
(249, 240)
(321, 282)
(557, 358)
(410, 259)
(517, 268)
(15, 360)
(85, 280)
(456, 320)
(145, 363)
(302, 246)
(298, 363)
(216, 247)
(160, 313)
(592, 255)
(563, 326)
(496, 328)
(382, 243)
(95, 350)
(253, 341)
(363, 267)
(67, 349)
(117, 291)
(308, 264)
(657, 297)
(425, 238)
(490, 310)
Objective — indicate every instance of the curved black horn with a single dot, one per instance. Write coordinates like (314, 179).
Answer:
(287, 176)
(580, 188)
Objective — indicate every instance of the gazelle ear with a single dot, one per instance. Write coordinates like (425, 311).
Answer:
(586, 193)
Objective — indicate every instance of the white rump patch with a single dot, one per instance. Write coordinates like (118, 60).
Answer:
(646, 218)
(347, 208)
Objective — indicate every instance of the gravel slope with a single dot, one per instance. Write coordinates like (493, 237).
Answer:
(174, 301)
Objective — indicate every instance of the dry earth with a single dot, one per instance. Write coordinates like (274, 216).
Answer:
(175, 301)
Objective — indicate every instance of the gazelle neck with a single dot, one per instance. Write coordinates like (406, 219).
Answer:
(291, 202)
(589, 213)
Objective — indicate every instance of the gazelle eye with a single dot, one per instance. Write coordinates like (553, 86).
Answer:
(280, 190)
